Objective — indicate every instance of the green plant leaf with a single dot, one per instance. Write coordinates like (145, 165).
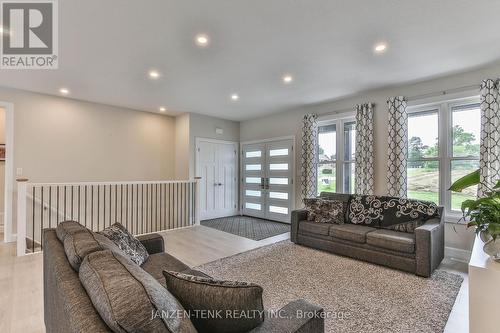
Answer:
(466, 181)
(497, 186)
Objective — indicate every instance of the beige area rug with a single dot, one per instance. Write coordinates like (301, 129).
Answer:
(359, 297)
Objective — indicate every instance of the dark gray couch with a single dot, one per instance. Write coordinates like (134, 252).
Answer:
(420, 252)
(67, 307)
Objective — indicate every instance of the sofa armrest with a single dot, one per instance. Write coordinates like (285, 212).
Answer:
(298, 316)
(297, 216)
(153, 243)
(429, 243)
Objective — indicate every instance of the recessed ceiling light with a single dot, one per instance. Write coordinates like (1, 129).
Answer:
(154, 74)
(202, 40)
(287, 79)
(64, 91)
(235, 97)
(162, 109)
(381, 47)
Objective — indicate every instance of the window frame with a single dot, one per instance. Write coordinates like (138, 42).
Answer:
(338, 120)
(445, 143)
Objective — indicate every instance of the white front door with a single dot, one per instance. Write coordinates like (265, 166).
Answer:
(267, 182)
(217, 164)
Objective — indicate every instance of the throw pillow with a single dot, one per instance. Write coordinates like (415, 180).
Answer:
(325, 211)
(128, 299)
(399, 214)
(68, 228)
(238, 303)
(80, 244)
(130, 245)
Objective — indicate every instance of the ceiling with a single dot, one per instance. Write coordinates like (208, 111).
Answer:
(106, 49)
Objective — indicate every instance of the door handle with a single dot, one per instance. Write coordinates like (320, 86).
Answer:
(220, 184)
(263, 183)
(267, 183)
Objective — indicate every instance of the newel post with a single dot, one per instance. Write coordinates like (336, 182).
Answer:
(197, 200)
(22, 188)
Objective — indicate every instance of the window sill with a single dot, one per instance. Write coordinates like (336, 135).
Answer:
(455, 218)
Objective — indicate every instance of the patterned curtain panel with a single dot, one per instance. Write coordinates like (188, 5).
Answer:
(309, 155)
(489, 162)
(398, 147)
(364, 171)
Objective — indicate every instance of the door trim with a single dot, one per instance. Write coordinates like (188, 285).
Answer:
(279, 138)
(294, 168)
(8, 216)
(237, 161)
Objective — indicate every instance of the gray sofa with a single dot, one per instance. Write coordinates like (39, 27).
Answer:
(420, 252)
(68, 308)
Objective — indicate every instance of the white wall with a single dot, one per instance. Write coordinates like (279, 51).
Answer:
(289, 123)
(182, 147)
(64, 140)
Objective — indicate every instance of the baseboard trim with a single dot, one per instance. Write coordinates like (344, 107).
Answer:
(457, 254)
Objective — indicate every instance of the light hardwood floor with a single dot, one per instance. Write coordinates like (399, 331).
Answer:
(21, 291)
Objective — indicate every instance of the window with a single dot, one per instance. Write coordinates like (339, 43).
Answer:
(336, 154)
(423, 155)
(443, 145)
(466, 132)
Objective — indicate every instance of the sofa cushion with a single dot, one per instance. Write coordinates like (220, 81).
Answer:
(325, 211)
(350, 232)
(82, 243)
(209, 295)
(128, 298)
(314, 228)
(156, 263)
(392, 240)
(68, 228)
(130, 245)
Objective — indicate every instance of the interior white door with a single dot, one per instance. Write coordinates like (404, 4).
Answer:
(226, 189)
(267, 180)
(216, 164)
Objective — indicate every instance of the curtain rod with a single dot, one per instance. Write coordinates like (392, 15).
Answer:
(417, 97)
(444, 92)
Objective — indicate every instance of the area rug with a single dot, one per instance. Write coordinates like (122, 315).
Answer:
(248, 227)
(356, 296)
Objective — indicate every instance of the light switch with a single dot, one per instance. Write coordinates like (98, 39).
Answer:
(219, 131)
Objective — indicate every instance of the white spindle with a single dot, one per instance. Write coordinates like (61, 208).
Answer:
(197, 200)
(22, 187)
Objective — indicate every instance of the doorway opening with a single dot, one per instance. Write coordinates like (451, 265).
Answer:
(267, 175)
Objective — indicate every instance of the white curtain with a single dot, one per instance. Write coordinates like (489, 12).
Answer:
(364, 170)
(489, 161)
(398, 147)
(309, 156)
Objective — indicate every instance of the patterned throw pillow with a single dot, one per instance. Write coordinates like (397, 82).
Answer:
(325, 211)
(393, 213)
(130, 245)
